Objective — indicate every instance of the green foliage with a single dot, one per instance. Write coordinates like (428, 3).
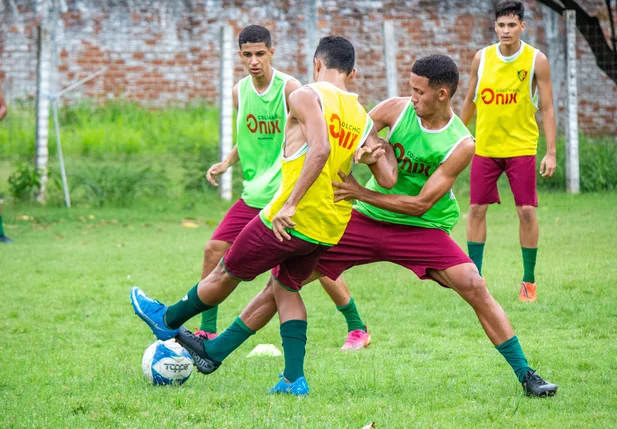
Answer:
(597, 163)
(25, 182)
(119, 184)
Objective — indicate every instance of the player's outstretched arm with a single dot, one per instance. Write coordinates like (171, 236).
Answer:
(440, 182)
(379, 156)
(543, 78)
(304, 105)
(469, 107)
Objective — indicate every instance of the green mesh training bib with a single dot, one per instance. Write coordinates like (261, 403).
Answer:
(260, 129)
(419, 152)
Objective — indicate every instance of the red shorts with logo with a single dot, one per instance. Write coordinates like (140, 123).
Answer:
(257, 250)
(234, 221)
(521, 173)
(367, 240)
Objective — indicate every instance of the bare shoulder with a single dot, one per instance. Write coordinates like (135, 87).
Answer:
(388, 111)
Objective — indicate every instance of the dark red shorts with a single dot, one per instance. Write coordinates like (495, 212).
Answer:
(521, 173)
(234, 221)
(367, 240)
(257, 250)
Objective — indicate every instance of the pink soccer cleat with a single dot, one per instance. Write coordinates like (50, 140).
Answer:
(357, 340)
(206, 335)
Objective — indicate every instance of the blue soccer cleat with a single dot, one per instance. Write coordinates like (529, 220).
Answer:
(152, 312)
(298, 388)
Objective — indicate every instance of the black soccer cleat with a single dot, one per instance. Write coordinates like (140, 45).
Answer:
(5, 239)
(195, 346)
(534, 385)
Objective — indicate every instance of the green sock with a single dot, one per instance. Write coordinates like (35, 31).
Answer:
(529, 264)
(231, 338)
(513, 353)
(1, 227)
(354, 322)
(208, 319)
(293, 333)
(184, 309)
(476, 252)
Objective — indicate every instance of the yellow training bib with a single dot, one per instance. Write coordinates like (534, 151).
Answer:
(506, 103)
(318, 218)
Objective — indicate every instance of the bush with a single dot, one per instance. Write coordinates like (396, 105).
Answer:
(120, 184)
(25, 182)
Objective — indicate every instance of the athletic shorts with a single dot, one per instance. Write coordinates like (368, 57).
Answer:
(521, 173)
(367, 240)
(234, 221)
(257, 250)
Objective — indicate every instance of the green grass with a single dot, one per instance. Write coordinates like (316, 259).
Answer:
(72, 347)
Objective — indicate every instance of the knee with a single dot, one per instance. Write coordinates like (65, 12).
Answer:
(477, 212)
(527, 214)
(474, 290)
(214, 250)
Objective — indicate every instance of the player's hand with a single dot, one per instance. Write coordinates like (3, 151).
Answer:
(282, 221)
(366, 155)
(348, 189)
(215, 171)
(548, 165)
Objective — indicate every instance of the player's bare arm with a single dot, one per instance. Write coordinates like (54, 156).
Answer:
(290, 86)
(305, 124)
(221, 167)
(440, 182)
(3, 109)
(543, 79)
(379, 156)
(387, 112)
(469, 107)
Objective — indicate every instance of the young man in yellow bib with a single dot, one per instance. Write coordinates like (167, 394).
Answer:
(506, 79)
(261, 99)
(326, 128)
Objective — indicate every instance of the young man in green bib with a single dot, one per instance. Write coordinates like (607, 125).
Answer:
(409, 224)
(261, 100)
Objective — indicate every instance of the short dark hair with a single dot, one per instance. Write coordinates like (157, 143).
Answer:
(510, 7)
(440, 70)
(337, 53)
(255, 34)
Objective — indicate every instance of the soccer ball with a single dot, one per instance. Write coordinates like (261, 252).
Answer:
(166, 362)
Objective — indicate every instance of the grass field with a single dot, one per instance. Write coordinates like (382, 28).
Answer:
(72, 347)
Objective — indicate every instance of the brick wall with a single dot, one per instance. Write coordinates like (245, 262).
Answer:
(166, 52)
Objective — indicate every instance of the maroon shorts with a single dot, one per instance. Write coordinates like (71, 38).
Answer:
(521, 173)
(367, 240)
(257, 250)
(234, 221)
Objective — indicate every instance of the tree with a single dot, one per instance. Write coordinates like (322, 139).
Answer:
(590, 28)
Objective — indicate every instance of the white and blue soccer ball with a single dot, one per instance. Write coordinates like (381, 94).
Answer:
(166, 362)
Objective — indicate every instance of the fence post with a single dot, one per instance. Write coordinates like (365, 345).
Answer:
(226, 106)
(554, 54)
(43, 77)
(389, 45)
(572, 165)
(311, 38)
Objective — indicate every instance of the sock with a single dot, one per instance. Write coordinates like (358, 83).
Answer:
(293, 333)
(208, 319)
(1, 227)
(231, 338)
(513, 353)
(354, 322)
(529, 264)
(476, 251)
(184, 309)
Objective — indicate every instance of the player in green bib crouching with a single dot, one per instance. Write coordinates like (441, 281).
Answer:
(261, 100)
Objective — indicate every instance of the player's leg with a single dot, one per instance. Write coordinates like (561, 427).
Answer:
(467, 282)
(238, 216)
(521, 172)
(357, 334)
(3, 238)
(482, 191)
